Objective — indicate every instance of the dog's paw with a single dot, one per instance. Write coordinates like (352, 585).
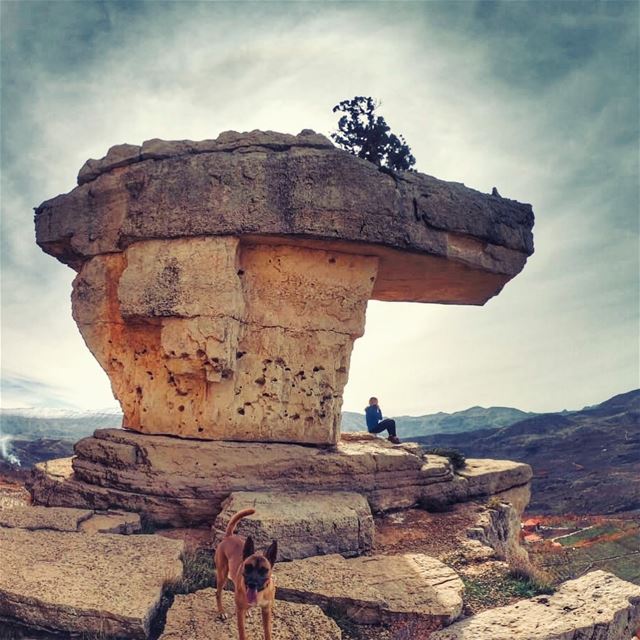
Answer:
(222, 617)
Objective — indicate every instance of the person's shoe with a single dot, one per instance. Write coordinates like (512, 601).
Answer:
(394, 439)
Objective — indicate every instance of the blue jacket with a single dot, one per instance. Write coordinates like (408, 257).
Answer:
(373, 415)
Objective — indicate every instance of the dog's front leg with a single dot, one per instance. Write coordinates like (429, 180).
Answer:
(241, 613)
(266, 621)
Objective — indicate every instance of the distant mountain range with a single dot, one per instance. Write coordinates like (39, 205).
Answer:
(62, 424)
(458, 422)
(31, 435)
(584, 462)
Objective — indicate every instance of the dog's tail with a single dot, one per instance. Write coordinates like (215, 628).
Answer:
(231, 527)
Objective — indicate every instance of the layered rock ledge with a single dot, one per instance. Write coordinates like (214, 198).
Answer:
(597, 606)
(221, 284)
(180, 482)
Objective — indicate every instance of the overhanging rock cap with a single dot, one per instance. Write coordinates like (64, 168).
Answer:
(437, 241)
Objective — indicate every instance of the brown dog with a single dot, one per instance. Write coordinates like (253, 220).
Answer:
(250, 572)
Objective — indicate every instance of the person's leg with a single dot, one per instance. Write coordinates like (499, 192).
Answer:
(379, 427)
(389, 425)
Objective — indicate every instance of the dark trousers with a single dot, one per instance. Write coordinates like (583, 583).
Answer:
(388, 424)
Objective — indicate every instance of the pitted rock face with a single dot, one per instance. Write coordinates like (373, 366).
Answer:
(221, 283)
(208, 338)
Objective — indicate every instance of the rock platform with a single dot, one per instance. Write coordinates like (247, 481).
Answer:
(194, 617)
(183, 482)
(375, 589)
(71, 582)
(69, 519)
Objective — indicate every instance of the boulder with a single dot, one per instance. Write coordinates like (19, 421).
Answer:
(106, 584)
(498, 527)
(221, 284)
(304, 524)
(375, 589)
(194, 617)
(597, 606)
(184, 482)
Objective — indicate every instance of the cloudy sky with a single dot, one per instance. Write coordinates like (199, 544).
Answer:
(539, 99)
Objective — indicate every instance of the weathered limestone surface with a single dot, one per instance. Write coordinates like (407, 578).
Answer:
(597, 606)
(498, 527)
(268, 183)
(112, 522)
(304, 524)
(194, 617)
(480, 477)
(221, 284)
(34, 517)
(180, 481)
(73, 582)
(375, 589)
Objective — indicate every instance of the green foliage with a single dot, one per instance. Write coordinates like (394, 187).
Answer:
(527, 588)
(456, 458)
(495, 590)
(365, 134)
(526, 578)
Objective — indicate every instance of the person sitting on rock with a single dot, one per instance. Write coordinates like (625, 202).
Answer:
(376, 423)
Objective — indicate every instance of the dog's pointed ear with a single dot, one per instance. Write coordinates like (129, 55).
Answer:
(248, 549)
(271, 553)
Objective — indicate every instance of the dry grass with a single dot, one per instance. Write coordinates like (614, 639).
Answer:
(533, 578)
(494, 502)
(198, 573)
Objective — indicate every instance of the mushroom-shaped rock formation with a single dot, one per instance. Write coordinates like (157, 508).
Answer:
(221, 283)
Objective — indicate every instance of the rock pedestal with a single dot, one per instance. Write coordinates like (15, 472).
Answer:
(221, 283)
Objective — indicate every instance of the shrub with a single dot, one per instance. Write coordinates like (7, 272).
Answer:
(530, 580)
(456, 458)
(365, 134)
(494, 502)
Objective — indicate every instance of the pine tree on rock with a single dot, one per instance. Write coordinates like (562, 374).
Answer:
(365, 134)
